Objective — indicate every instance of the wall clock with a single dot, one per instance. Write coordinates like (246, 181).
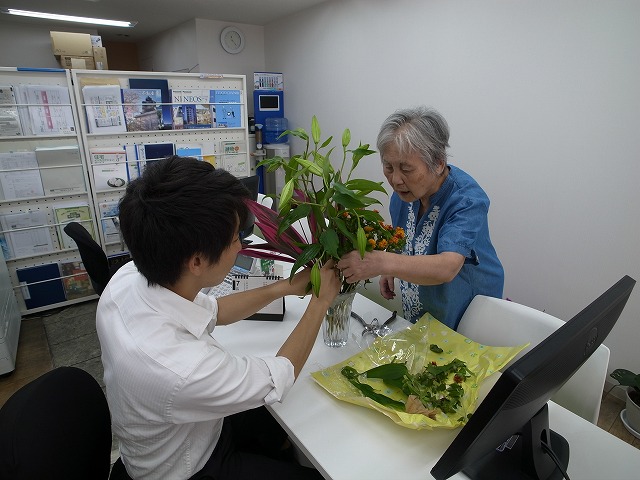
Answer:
(232, 39)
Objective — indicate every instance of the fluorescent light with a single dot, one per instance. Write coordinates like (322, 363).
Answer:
(68, 18)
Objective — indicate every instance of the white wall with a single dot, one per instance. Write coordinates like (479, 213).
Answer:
(27, 45)
(173, 51)
(543, 102)
(213, 58)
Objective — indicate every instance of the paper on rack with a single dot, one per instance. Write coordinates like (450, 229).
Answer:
(103, 104)
(49, 108)
(26, 233)
(61, 170)
(10, 125)
(19, 176)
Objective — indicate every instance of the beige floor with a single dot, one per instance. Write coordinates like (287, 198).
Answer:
(34, 359)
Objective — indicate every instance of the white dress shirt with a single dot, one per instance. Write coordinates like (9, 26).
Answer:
(169, 382)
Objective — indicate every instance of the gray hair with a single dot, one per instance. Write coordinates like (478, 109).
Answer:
(419, 130)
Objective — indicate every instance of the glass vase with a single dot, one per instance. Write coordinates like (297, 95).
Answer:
(335, 327)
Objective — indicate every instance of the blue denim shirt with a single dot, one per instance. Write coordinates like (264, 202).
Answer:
(455, 222)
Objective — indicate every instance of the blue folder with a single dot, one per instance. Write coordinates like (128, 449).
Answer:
(41, 285)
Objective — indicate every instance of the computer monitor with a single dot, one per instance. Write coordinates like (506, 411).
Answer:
(506, 436)
(252, 184)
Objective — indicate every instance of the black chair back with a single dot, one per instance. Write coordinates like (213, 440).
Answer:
(93, 257)
(56, 427)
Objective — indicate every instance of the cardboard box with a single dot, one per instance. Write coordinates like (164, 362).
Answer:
(81, 63)
(96, 41)
(72, 44)
(100, 58)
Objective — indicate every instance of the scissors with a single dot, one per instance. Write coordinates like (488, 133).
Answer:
(374, 328)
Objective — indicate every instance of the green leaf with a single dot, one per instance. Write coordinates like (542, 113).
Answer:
(368, 391)
(311, 166)
(370, 215)
(360, 152)
(272, 162)
(322, 159)
(366, 201)
(330, 241)
(348, 201)
(365, 186)
(285, 196)
(626, 378)
(326, 142)
(344, 230)
(298, 132)
(295, 214)
(315, 130)
(327, 169)
(309, 253)
(389, 371)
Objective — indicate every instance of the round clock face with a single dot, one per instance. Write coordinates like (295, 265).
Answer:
(232, 40)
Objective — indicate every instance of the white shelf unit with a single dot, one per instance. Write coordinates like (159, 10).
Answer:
(41, 205)
(212, 139)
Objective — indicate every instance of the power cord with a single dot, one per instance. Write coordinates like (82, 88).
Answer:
(549, 451)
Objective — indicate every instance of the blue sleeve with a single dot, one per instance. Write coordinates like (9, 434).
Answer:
(463, 223)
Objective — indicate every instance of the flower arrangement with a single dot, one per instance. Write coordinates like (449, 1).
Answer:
(336, 206)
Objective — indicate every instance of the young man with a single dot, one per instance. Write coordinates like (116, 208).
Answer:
(175, 394)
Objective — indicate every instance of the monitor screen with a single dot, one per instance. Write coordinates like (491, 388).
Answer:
(508, 436)
(269, 103)
(252, 183)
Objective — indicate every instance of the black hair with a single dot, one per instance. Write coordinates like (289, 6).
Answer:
(177, 208)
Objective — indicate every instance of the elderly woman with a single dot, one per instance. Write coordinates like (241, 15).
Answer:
(448, 257)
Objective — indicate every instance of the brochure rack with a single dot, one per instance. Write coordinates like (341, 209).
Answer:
(211, 140)
(41, 171)
(67, 164)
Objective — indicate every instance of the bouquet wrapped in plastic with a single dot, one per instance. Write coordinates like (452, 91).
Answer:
(427, 349)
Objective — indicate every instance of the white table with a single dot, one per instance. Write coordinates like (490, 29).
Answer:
(348, 442)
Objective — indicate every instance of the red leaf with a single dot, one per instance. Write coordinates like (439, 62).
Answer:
(267, 220)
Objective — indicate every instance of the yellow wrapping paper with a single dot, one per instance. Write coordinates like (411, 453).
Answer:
(412, 346)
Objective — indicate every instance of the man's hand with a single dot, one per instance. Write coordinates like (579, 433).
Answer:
(329, 281)
(299, 283)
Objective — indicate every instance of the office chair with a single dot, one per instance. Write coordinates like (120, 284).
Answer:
(93, 257)
(493, 321)
(56, 427)
(264, 200)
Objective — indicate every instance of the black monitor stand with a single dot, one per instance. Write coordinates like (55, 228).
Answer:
(523, 456)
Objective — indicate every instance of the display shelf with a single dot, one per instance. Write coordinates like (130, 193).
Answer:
(33, 179)
(122, 150)
(41, 168)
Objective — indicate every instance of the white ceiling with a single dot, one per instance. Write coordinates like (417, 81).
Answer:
(154, 16)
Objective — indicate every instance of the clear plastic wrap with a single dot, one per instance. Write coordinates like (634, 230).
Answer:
(411, 345)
